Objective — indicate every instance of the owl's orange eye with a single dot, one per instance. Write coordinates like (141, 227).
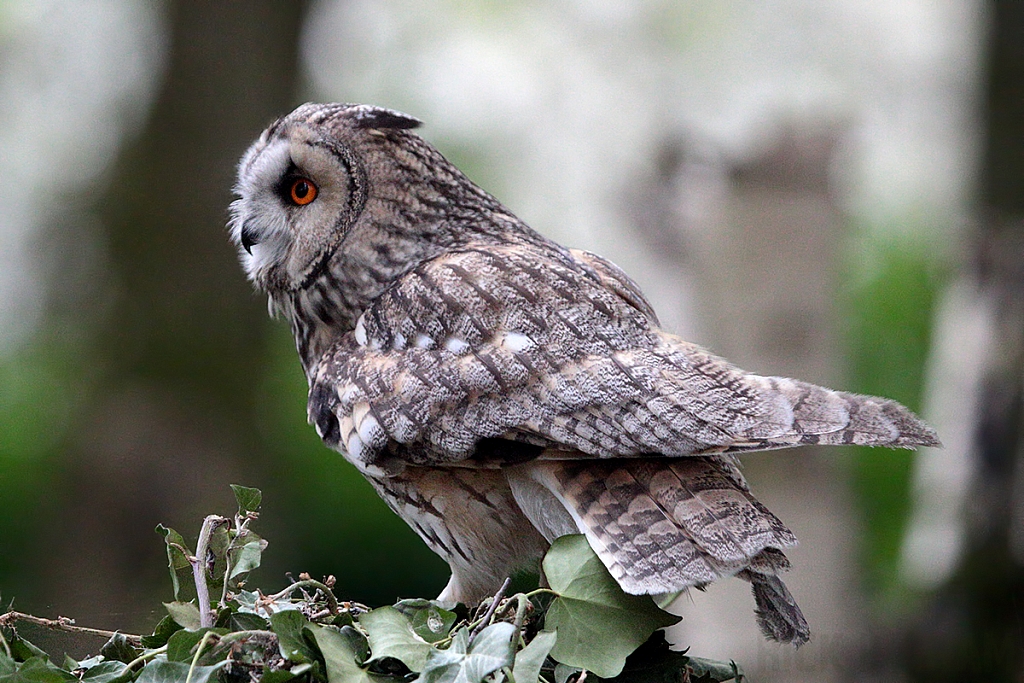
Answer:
(302, 191)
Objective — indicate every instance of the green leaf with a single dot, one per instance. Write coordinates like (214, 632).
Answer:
(244, 553)
(248, 499)
(342, 619)
(598, 624)
(390, 634)
(654, 662)
(38, 670)
(241, 621)
(7, 665)
(357, 641)
(288, 626)
(530, 659)
(162, 671)
(340, 657)
(276, 675)
(430, 621)
(710, 671)
(21, 649)
(119, 649)
(178, 564)
(465, 662)
(251, 603)
(564, 671)
(106, 672)
(164, 629)
(181, 647)
(185, 614)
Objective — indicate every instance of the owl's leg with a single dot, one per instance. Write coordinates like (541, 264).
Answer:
(453, 591)
(469, 518)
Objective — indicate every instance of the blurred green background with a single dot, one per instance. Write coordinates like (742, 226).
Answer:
(820, 189)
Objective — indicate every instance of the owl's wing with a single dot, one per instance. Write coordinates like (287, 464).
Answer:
(520, 343)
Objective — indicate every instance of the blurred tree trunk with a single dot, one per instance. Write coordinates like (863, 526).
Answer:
(972, 630)
(182, 340)
(765, 267)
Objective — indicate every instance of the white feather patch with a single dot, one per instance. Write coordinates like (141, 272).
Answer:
(423, 341)
(455, 345)
(346, 394)
(354, 447)
(369, 429)
(359, 411)
(516, 342)
(360, 331)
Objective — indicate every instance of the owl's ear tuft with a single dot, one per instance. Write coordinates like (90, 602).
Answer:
(366, 116)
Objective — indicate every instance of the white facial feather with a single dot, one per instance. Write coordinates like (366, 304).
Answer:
(259, 208)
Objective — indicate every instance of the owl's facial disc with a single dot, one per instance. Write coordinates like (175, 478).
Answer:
(293, 207)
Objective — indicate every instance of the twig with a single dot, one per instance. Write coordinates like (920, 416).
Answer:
(207, 637)
(210, 524)
(521, 609)
(148, 654)
(64, 624)
(7, 648)
(241, 526)
(332, 601)
(490, 610)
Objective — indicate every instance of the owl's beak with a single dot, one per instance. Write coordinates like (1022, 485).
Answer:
(248, 238)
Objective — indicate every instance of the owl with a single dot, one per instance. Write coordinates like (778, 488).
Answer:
(499, 390)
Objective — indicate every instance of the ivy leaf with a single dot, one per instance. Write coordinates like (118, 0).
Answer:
(340, 657)
(119, 649)
(181, 646)
(530, 659)
(21, 649)
(598, 624)
(37, 670)
(655, 662)
(251, 603)
(185, 614)
(463, 662)
(178, 565)
(163, 671)
(430, 621)
(106, 672)
(391, 635)
(242, 621)
(276, 676)
(164, 629)
(7, 665)
(710, 671)
(248, 499)
(563, 672)
(288, 626)
(244, 553)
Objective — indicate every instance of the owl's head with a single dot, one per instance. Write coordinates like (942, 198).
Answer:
(303, 186)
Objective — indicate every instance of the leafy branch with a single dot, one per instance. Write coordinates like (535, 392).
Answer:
(583, 625)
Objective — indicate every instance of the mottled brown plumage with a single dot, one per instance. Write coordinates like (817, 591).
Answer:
(499, 390)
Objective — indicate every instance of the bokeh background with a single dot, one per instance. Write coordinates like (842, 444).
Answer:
(830, 189)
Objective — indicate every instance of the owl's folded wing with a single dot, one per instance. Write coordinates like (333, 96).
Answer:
(459, 351)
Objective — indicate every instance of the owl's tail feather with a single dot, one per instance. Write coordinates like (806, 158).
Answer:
(663, 526)
(778, 615)
(816, 415)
